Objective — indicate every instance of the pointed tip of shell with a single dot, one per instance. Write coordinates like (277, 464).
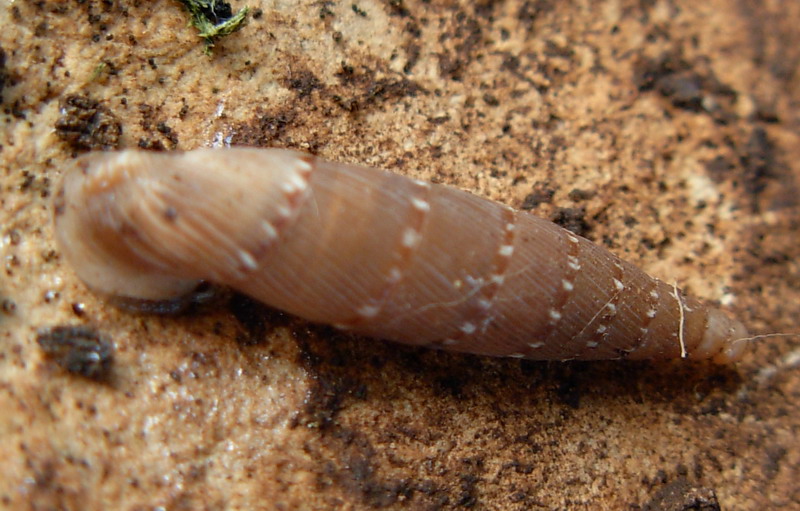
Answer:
(725, 339)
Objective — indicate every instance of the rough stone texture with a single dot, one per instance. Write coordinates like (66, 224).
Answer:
(666, 130)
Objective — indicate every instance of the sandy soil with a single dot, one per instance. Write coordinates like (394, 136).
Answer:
(668, 131)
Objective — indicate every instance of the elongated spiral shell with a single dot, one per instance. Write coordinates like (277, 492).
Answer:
(372, 252)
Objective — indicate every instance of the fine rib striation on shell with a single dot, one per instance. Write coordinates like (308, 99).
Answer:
(371, 252)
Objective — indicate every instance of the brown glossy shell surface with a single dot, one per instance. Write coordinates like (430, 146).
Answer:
(665, 131)
(370, 252)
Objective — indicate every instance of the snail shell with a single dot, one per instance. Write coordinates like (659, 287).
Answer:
(372, 252)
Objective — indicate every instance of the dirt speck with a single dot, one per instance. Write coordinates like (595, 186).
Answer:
(85, 124)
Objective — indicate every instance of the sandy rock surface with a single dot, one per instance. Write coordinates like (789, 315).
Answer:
(667, 131)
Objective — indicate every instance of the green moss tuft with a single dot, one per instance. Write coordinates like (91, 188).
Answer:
(214, 19)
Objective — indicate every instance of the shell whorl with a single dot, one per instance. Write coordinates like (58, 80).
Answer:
(372, 252)
(140, 224)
